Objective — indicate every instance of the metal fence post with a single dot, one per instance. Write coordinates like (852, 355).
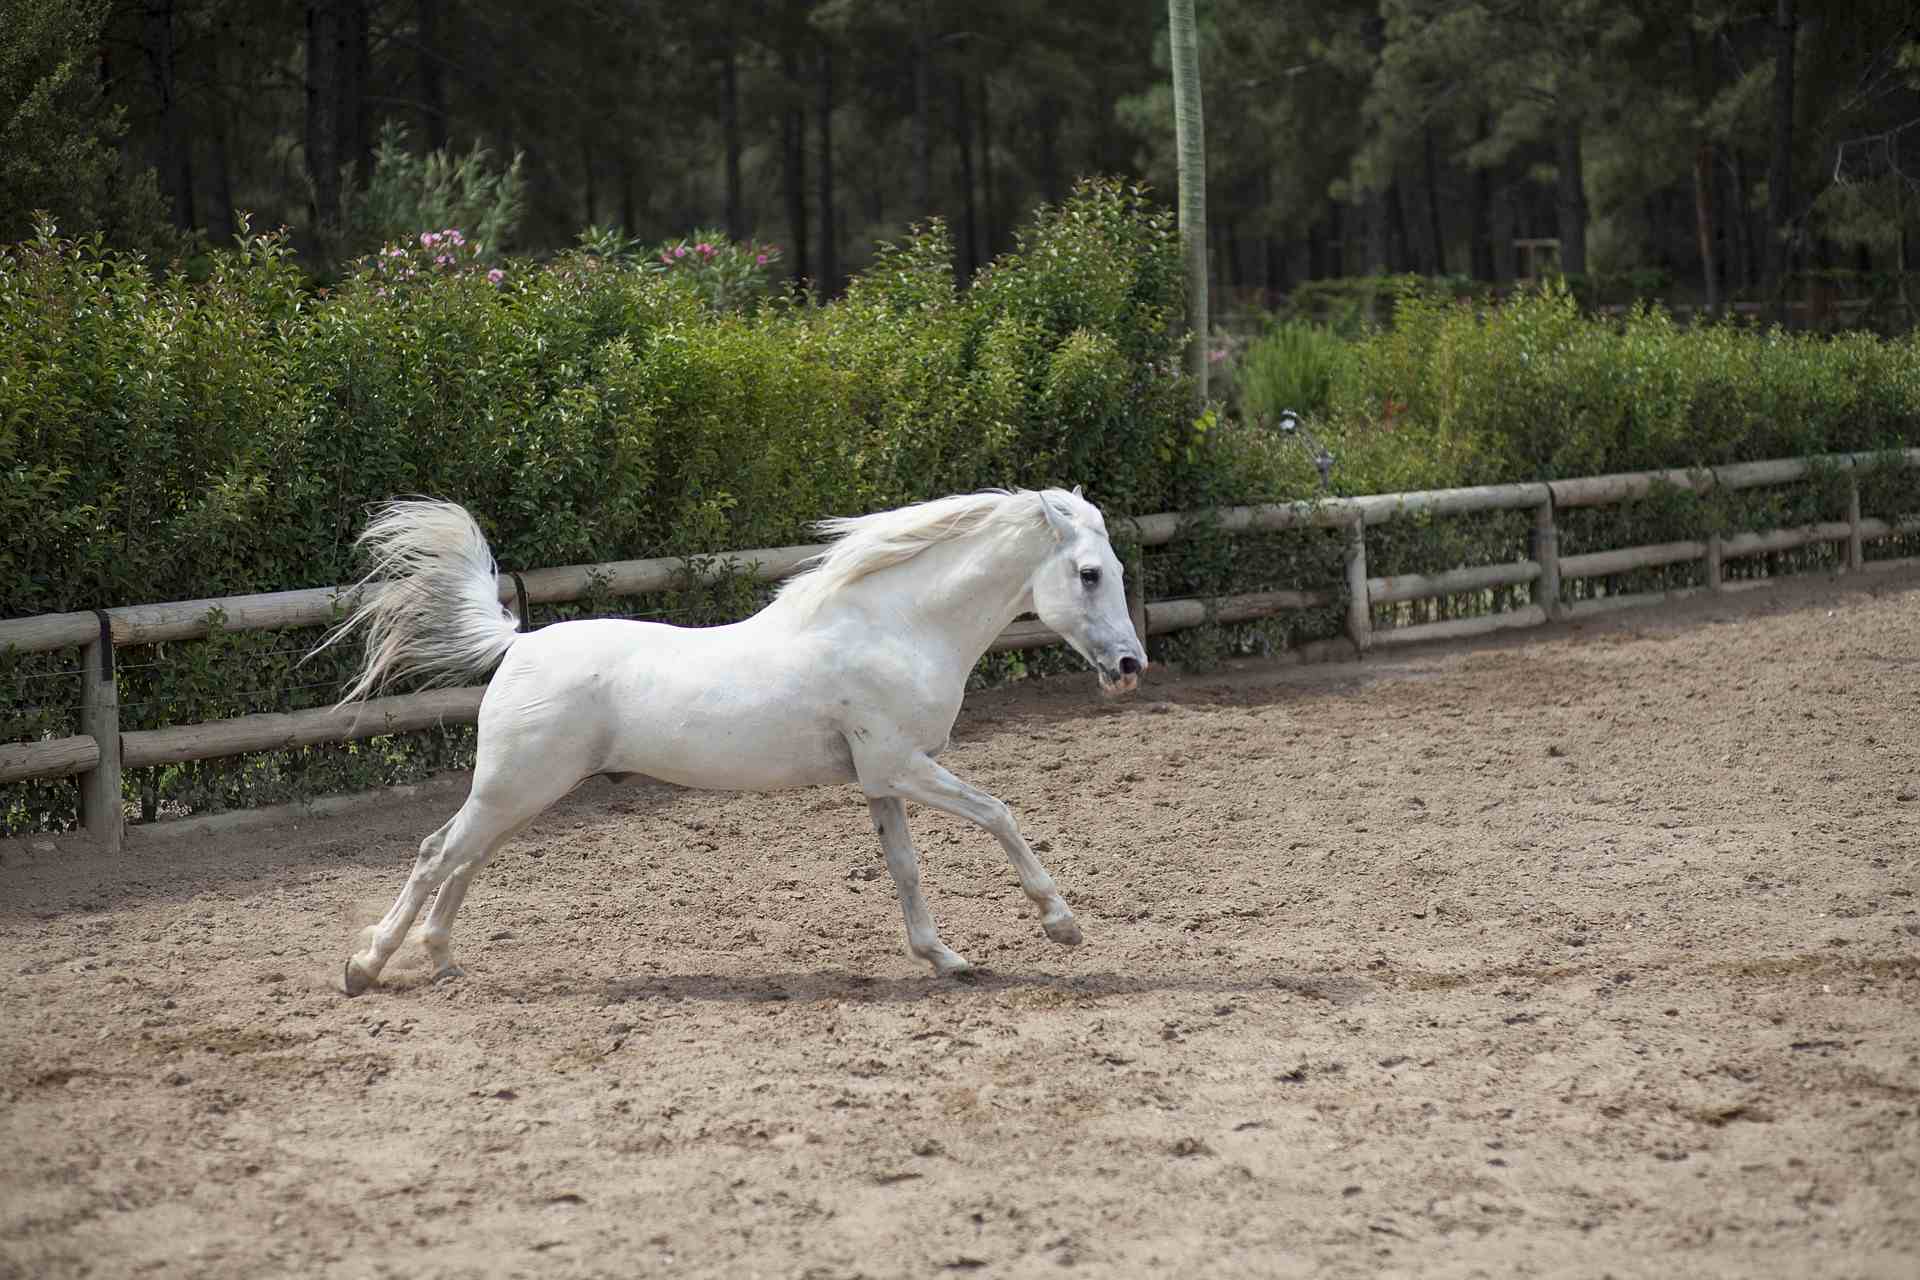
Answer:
(102, 809)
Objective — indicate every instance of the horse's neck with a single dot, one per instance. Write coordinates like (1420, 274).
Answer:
(962, 593)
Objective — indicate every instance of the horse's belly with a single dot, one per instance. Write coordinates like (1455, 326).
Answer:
(711, 757)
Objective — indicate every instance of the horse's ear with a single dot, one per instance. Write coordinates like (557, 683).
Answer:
(1076, 491)
(1057, 520)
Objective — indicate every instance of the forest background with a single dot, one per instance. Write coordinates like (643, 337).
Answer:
(1701, 149)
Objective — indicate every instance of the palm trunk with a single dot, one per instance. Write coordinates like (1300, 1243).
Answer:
(1190, 131)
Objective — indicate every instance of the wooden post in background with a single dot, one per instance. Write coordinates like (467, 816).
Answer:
(1716, 563)
(1546, 552)
(1359, 608)
(1856, 549)
(101, 807)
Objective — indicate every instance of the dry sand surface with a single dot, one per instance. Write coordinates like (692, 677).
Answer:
(1592, 952)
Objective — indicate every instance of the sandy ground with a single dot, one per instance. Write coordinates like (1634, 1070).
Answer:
(1590, 952)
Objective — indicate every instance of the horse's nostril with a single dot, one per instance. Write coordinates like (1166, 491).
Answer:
(1129, 666)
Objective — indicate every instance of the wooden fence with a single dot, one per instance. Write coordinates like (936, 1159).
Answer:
(100, 751)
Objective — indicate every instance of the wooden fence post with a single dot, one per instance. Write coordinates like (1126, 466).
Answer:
(1716, 563)
(1856, 548)
(1546, 552)
(1137, 595)
(101, 806)
(1359, 608)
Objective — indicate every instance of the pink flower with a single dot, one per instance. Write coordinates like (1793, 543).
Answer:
(495, 276)
(666, 257)
(760, 260)
(679, 251)
(454, 235)
(704, 249)
(428, 239)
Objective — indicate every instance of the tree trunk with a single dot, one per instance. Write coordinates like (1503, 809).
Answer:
(432, 70)
(829, 247)
(591, 194)
(1190, 131)
(1780, 170)
(730, 130)
(1436, 226)
(793, 172)
(1571, 201)
(922, 192)
(628, 214)
(989, 218)
(969, 255)
(1480, 218)
(326, 43)
(174, 162)
(1049, 129)
(1740, 219)
(356, 121)
(1399, 243)
(220, 221)
(1703, 222)
(337, 133)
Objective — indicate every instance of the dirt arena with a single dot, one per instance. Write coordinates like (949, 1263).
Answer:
(1591, 952)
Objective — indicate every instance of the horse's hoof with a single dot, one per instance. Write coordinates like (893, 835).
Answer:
(448, 971)
(354, 979)
(952, 966)
(1065, 931)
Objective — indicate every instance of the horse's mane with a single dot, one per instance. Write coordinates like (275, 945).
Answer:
(867, 544)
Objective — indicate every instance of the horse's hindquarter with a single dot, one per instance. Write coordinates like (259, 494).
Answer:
(726, 708)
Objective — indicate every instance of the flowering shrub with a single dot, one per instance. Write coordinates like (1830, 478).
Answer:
(431, 252)
(729, 276)
(439, 189)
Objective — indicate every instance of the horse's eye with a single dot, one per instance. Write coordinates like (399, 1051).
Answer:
(1090, 577)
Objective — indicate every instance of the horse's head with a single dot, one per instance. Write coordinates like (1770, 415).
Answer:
(1079, 590)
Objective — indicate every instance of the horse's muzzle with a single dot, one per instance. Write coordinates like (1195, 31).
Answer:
(1123, 677)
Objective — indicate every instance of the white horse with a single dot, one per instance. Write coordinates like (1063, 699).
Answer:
(854, 673)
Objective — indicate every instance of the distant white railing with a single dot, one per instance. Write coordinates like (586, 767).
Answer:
(100, 751)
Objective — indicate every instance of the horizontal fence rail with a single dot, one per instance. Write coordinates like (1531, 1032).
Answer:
(100, 752)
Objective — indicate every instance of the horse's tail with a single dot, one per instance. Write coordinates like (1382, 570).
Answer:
(430, 605)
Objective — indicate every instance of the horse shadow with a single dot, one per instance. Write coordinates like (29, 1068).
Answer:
(839, 986)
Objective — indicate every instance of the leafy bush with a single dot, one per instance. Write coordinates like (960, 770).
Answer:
(1292, 367)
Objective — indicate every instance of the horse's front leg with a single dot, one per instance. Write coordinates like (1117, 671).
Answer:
(924, 780)
(890, 821)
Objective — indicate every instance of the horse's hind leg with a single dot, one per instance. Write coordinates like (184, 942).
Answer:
(450, 855)
(890, 820)
(438, 935)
